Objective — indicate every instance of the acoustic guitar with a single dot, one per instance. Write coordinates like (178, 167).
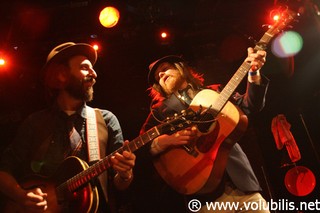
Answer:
(199, 166)
(71, 188)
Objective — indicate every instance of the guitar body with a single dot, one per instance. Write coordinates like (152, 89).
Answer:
(199, 167)
(60, 200)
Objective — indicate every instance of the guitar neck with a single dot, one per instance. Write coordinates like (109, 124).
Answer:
(230, 87)
(102, 165)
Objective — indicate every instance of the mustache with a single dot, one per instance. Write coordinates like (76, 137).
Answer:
(89, 79)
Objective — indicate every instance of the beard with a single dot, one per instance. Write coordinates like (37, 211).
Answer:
(77, 88)
(172, 85)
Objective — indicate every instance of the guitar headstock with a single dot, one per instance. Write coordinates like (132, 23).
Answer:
(283, 21)
(285, 18)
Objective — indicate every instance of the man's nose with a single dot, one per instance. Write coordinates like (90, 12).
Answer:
(161, 74)
(93, 73)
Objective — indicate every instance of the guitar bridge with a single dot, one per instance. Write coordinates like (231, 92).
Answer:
(191, 150)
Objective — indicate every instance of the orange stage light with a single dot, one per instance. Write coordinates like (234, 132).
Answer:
(109, 17)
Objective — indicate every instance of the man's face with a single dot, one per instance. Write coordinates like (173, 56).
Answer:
(169, 78)
(81, 79)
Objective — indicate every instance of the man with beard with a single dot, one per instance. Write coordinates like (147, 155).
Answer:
(44, 144)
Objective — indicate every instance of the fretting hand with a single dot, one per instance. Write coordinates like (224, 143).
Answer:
(123, 163)
(256, 59)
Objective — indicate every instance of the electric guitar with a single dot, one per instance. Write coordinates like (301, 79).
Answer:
(71, 188)
(199, 166)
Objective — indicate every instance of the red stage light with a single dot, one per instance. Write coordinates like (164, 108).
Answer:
(164, 35)
(276, 17)
(2, 61)
(95, 46)
(6, 60)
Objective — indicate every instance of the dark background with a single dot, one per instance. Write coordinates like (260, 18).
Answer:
(212, 34)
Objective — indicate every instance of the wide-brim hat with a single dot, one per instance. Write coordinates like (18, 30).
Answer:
(154, 65)
(69, 49)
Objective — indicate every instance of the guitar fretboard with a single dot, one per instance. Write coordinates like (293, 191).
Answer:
(97, 168)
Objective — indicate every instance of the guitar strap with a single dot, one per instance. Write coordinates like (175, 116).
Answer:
(92, 136)
(101, 138)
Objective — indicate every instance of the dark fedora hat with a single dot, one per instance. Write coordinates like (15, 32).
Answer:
(154, 65)
(69, 49)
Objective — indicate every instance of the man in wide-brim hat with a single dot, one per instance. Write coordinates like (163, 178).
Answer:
(63, 139)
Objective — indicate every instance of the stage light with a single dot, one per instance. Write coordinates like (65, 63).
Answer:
(109, 17)
(4, 65)
(5, 61)
(275, 15)
(2, 61)
(95, 46)
(164, 35)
